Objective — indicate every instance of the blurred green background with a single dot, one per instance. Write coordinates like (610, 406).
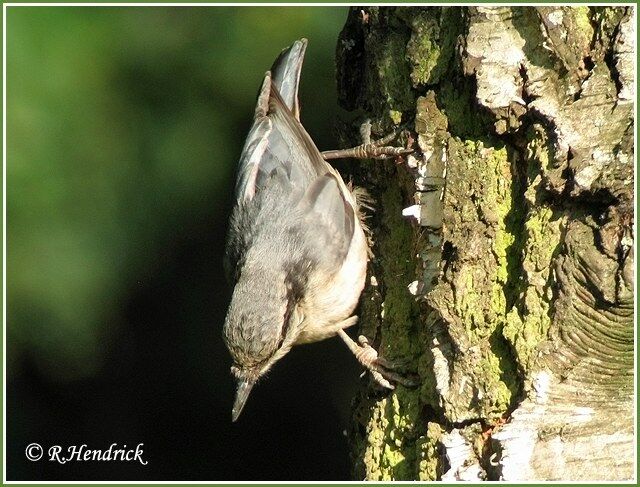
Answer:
(124, 125)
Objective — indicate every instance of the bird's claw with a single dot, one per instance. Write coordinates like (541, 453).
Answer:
(381, 369)
(369, 149)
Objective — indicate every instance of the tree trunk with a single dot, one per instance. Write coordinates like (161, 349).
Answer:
(506, 289)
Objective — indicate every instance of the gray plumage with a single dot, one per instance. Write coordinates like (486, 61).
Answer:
(296, 252)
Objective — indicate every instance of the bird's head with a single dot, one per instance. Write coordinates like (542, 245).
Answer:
(262, 325)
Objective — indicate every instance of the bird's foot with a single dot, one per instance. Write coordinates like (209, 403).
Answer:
(377, 149)
(381, 369)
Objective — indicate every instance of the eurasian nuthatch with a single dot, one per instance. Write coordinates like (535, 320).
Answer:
(296, 249)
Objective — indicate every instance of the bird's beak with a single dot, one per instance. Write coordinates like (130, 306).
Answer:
(242, 394)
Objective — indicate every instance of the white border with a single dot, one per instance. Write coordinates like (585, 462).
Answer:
(4, 244)
(311, 4)
(274, 4)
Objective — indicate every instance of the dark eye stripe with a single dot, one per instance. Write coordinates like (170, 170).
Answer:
(287, 320)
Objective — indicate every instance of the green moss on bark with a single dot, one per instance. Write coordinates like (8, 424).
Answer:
(528, 321)
(481, 224)
(527, 325)
(431, 46)
(400, 312)
(389, 75)
(391, 450)
(429, 455)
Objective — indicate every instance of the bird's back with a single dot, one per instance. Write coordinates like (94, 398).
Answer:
(290, 203)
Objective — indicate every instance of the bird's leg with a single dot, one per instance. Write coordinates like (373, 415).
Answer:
(368, 356)
(377, 149)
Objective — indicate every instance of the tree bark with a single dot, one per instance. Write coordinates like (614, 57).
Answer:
(506, 289)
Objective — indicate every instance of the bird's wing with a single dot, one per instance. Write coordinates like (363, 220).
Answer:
(281, 170)
(277, 141)
(328, 222)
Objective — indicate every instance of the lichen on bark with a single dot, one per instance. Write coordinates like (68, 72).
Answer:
(512, 288)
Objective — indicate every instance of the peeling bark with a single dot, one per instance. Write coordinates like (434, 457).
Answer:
(507, 287)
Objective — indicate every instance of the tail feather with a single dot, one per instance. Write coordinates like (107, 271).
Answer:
(286, 74)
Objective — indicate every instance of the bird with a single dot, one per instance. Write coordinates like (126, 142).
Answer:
(296, 250)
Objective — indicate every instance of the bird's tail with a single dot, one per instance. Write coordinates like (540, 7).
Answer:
(285, 74)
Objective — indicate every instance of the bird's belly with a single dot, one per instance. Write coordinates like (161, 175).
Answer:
(326, 310)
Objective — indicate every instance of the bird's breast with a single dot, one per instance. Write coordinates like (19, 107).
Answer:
(334, 300)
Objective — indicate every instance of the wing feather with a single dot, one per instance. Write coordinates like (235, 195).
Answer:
(329, 220)
(285, 184)
(277, 140)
